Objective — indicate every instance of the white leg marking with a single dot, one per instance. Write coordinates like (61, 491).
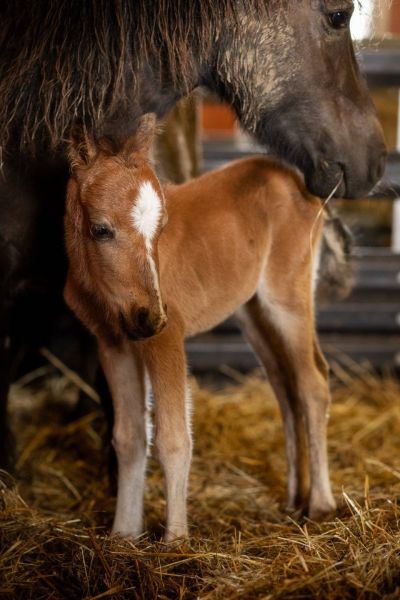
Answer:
(149, 403)
(174, 446)
(125, 378)
(177, 489)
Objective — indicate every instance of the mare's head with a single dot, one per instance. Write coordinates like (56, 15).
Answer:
(290, 72)
(114, 215)
(286, 66)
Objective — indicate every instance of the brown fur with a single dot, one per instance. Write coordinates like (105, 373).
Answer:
(239, 240)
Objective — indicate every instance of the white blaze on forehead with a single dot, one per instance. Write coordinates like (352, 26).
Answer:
(145, 215)
(146, 212)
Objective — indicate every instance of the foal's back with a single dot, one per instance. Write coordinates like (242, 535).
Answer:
(227, 229)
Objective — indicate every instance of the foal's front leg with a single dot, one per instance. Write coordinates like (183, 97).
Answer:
(125, 376)
(166, 363)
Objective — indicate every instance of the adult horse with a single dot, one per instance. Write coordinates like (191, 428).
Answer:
(286, 66)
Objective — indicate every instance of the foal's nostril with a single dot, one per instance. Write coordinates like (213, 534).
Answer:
(142, 317)
(144, 324)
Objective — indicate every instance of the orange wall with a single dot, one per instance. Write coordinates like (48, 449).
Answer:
(218, 120)
(395, 17)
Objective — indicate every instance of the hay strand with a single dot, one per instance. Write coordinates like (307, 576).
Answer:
(54, 524)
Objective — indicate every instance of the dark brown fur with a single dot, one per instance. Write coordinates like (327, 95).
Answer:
(290, 76)
(51, 61)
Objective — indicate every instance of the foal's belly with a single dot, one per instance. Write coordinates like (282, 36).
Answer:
(205, 304)
(209, 274)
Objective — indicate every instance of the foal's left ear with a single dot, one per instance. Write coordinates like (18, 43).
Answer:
(142, 140)
(82, 149)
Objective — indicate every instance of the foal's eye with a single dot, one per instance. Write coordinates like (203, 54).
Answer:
(101, 232)
(339, 19)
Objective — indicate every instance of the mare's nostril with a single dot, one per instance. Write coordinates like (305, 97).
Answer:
(381, 165)
(378, 167)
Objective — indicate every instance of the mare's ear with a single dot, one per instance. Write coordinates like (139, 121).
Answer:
(82, 149)
(142, 140)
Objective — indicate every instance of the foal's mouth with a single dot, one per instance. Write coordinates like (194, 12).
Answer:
(140, 327)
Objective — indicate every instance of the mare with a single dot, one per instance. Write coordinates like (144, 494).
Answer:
(286, 67)
(219, 245)
(33, 268)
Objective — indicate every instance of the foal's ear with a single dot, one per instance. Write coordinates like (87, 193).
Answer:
(82, 149)
(142, 140)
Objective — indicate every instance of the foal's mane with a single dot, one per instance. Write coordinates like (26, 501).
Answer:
(63, 61)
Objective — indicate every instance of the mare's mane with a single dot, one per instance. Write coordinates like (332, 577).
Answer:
(65, 61)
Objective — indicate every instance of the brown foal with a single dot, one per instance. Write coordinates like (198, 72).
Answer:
(241, 240)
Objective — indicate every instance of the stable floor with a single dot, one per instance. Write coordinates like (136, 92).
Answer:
(54, 522)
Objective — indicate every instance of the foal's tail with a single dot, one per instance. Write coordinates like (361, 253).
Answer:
(336, 273)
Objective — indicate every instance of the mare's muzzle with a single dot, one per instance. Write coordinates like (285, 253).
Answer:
(355, 174)
(330, 150)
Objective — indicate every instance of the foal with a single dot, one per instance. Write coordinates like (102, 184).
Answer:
(243, 239)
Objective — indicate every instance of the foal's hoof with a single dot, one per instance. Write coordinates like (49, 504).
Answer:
(177, 538)
(128, 533)
(297, 507)
(180, 545)
(321, 510)
(295, 512)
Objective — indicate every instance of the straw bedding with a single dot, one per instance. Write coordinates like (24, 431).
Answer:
(54, 523)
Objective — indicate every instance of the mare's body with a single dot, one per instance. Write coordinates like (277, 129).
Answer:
(33, 267)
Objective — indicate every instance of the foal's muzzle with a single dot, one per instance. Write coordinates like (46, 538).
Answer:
(142, 324)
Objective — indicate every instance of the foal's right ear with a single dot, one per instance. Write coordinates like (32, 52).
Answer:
(142, 139)
(82, 149)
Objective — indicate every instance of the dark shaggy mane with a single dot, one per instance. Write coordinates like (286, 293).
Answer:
(65, 61)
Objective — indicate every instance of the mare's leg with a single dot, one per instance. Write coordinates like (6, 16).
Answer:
(7, 440)
(88, 369)
(166, 363)
(103, 390)
(123, 369)
(280, 325)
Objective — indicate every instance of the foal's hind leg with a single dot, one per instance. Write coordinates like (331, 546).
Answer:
(283, 332)
(257, 331)
(125, 376)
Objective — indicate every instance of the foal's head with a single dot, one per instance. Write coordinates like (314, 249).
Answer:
(114, 215)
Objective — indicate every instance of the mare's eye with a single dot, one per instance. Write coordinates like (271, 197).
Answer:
(339, 19)
(102, 232)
